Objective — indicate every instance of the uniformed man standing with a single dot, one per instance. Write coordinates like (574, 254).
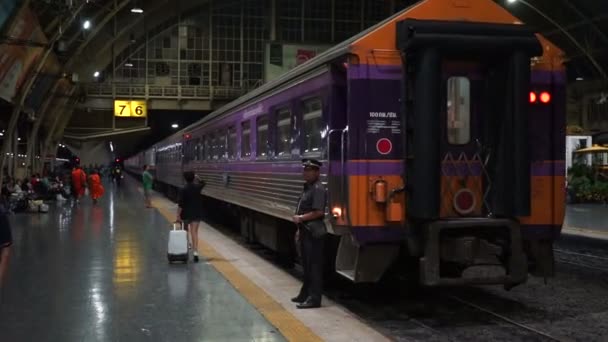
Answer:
(310, 235)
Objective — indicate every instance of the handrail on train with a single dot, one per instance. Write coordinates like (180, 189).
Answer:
(342, 163)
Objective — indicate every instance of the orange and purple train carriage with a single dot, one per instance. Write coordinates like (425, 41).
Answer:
(441, 131)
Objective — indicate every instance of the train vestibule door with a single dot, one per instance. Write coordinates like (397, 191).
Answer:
(463, 161)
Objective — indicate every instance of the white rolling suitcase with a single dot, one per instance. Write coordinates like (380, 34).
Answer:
(178, 243)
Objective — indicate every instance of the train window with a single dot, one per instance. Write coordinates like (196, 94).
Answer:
(245, 142)
(284, 133)
(262, 140)
(313, 127)
(231, 142)
(459, 110)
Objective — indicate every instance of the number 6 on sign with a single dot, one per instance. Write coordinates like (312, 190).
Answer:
(139, 109)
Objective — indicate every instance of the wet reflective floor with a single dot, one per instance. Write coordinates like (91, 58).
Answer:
(100, 273)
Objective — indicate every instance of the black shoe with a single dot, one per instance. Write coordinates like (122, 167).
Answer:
(298, 299)
(309, 304)
(195, 258)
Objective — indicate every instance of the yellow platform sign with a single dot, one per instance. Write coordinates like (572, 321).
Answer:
(132, 109)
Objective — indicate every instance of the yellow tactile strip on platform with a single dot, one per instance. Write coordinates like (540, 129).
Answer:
(275, 313)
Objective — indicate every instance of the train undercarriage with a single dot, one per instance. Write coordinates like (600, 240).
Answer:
(452, 252)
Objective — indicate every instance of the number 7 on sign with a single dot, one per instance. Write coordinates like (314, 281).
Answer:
(122, 108)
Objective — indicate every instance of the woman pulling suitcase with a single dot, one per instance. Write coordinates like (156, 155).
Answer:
(190, 209)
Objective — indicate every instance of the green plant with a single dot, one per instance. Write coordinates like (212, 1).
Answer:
(580, 170)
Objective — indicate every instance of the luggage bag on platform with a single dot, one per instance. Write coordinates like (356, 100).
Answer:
(178, 243)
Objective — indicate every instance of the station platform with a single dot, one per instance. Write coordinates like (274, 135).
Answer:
(100, 273)
(587, 220)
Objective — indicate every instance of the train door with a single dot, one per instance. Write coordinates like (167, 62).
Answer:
(465, 106)
(462, 167)
(467, 164)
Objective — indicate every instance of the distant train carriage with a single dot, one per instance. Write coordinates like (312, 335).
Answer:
(441, 132)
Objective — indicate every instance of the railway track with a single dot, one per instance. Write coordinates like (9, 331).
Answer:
(436, 316)
(503, 318)
(589, 261)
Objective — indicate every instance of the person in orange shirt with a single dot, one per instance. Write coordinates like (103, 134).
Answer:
(79, 182)
(95, 186)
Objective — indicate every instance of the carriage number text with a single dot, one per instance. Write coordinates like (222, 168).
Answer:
(382, 115)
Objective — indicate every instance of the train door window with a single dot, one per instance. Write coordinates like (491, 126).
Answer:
(231, 142)
(222, 148)
(245, 142)
(207, 150)
(187, 151)
(197, 149)
(262, 140)
(313, 127)
(283, 133)
(214, 149)
(459, 110)
(200, 146)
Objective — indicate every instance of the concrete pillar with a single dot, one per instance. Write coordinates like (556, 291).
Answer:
(92, 152)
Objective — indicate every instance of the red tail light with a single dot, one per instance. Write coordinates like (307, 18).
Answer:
(532, 97)
(545, 97)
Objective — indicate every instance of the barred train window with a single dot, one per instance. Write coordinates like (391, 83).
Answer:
(231, 142)
(200, 148)
(284, 133)
(245, 142)
(313, 126)
(207, 148)
(262, 140)
(459, 110)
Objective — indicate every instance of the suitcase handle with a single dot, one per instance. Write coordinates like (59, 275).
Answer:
(179, 224)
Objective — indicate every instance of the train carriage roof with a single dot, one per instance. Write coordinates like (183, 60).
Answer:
(480, 10)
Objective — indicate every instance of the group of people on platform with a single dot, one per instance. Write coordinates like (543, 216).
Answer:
(80, 182)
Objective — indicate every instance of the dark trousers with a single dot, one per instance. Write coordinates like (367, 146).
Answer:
(312, 262)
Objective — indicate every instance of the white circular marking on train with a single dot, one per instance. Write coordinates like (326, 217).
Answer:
(473, 200)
